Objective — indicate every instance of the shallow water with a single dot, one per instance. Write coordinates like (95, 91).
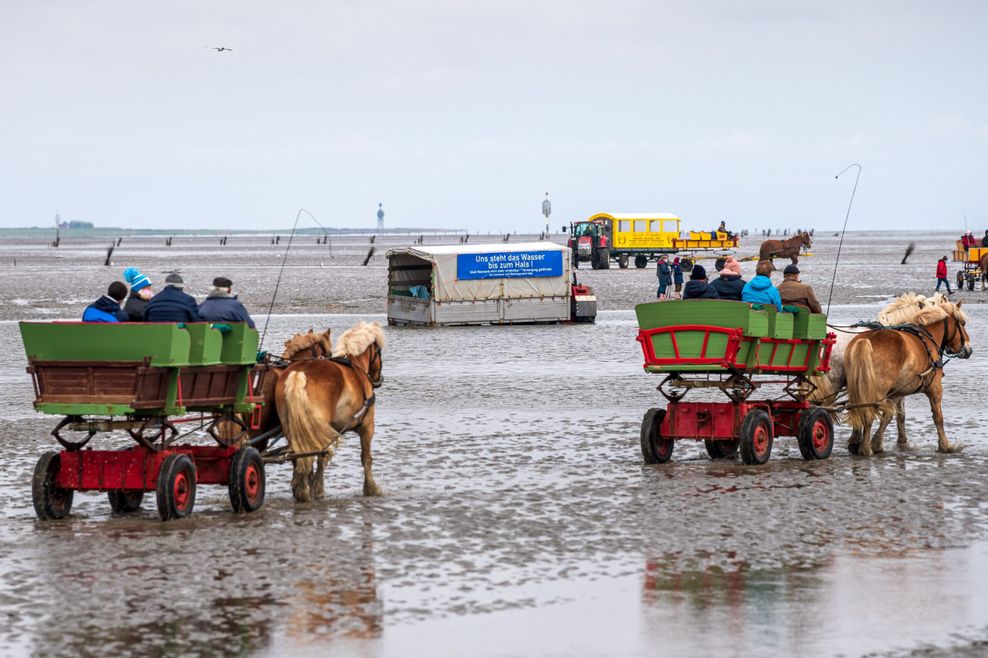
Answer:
(517, 518)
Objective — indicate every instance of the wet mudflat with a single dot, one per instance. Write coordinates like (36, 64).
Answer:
(517, 518)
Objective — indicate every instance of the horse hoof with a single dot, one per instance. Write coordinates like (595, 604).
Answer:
(951, 448)
(908, 447)
(372, 490)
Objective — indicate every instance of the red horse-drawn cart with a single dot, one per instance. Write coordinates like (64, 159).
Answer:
(736, 348)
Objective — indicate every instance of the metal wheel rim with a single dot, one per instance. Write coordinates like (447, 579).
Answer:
(820, 435)
(182, 491)
(759, 439)
(252, 483)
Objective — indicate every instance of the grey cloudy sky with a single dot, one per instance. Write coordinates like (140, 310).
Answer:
(463, 114)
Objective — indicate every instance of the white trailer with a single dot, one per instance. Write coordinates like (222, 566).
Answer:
(484, 284)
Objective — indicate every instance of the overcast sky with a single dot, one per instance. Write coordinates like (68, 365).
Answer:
(463, 114)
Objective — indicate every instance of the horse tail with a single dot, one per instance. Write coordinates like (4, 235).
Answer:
(301, 422)
(862, 384)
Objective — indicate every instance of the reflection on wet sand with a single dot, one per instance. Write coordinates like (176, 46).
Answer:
(337, 598)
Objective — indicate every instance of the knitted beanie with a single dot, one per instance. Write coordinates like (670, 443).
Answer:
(136, 280)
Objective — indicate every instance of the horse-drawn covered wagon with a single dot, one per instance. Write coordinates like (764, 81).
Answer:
(736, 348)
(974, 266)
(145, 379)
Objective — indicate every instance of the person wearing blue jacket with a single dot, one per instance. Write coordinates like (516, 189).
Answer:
(107, 308)
(222, 305)
(760, 289)
(665, 276)
(172, 304)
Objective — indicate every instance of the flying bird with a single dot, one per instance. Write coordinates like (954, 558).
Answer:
(220, 49)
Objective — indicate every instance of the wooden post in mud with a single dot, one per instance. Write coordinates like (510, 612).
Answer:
(369, 255)
(109, 254)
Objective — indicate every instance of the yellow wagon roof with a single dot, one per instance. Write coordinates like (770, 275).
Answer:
(637, 215)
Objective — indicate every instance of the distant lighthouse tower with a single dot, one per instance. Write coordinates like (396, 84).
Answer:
(380, 217)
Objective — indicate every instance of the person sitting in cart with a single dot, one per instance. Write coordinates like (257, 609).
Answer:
(107, 308)
(794, 291)
(984, 240)
(968, 240)
(140, 294)
(760, 289)
(172, 304)
(729, 284)
(721, 229)
(698, 287)
(221, 305)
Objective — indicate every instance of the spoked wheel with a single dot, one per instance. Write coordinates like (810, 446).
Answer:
(246, 480)
(641, 262)
(125, 502)
(816, 434)
(50, 500)
(756, 437)
(655, 449)
(721, 449)
(623, 261)
(176, 487)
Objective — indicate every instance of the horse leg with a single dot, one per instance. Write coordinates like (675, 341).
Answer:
(366, 432)
(935, 394)
(300, 480)
(877, 441)
(902, 443)
(317, 481)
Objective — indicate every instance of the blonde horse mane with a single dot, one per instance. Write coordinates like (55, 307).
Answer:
(904, 308)
(300, 342)
(939, 312)
(357, 339)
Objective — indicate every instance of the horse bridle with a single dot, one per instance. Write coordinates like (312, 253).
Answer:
(380, 367)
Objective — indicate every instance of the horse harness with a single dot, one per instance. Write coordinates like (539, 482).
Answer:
(926, 340)
(368, 400)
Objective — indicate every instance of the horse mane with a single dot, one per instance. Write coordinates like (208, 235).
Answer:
(905, 307)
(357, 339)
(941, 311)
(300, 342)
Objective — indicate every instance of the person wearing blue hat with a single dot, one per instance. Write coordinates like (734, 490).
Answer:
(140, 294)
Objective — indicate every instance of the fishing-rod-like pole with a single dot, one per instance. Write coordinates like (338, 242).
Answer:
(281, 271)
(843, 230)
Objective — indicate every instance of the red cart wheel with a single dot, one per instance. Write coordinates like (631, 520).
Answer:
(816, 434)
(50, 500)
(721, 449)
(756, 437)
(125, 502)
(246, 480)
(655, 449)
(176, 487)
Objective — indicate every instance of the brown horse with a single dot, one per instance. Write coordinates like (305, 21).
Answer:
(320, 400)
(788, 248)
(827, 388)
(909, 361)
(309, 345)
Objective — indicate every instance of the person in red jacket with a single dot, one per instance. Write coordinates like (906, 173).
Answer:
(942, 275)
(968, 240)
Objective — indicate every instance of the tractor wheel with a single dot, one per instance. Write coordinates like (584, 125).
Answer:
(246, 480)
(721, 449)
(686, 264)
(594, 265)
(641, 261)
(816, 434)
(655, 449)
(50, 500)
(756, 437)
(720, 263)
(603, 259)
(125, 502)
(176, 487)
(623, 261)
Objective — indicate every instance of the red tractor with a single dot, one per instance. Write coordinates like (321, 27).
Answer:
(591, 241)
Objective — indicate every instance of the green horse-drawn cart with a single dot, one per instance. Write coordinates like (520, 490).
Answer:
(146, 379)
(736, 348)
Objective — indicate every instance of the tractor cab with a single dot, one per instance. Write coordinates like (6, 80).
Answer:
(590, 242)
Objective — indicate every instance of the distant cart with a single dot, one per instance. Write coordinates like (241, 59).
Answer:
(971, 271)
(485, 284)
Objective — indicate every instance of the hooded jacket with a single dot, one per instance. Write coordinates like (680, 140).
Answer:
(222, 307)
(104, 309)
(664, 274)
(761, 291)
(172, 305)
(677, 273)
(699, 289)
(941, 269)
(728, 286)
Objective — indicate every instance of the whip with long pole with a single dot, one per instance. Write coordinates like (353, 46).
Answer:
(843, 230)
(281, 271)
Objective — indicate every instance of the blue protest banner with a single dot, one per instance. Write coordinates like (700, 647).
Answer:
(509, 265)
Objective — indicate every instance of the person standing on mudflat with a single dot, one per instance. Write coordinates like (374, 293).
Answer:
(221, 305)
(664, 274)
(677, 276)
(172, 304)
(942, 275)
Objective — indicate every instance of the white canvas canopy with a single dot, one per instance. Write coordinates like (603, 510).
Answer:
(447, 287)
